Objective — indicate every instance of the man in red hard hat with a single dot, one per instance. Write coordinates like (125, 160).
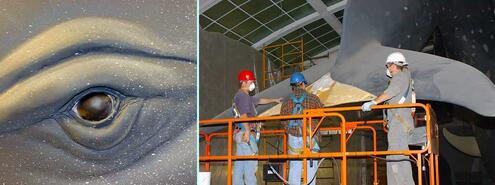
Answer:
(244, 106)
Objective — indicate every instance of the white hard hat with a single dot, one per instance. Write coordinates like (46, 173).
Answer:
(396, 58)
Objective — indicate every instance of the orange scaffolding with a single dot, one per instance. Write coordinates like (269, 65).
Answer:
(430, 151)
(289, 58)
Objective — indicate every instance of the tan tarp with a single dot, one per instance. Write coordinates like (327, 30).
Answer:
(330, 93)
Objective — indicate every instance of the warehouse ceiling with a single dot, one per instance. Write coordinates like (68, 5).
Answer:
(257, 23)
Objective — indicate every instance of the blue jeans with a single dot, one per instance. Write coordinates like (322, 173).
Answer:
(244, 170)
(295, 169)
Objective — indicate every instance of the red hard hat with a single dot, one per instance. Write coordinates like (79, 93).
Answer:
(246, 75)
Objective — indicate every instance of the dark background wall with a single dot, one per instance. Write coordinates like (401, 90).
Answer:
(221, 60)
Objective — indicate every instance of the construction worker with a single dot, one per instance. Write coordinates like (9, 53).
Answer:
(399, 121)
(246, 143)
(299, 100)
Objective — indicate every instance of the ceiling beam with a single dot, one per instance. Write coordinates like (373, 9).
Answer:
(298, 24)
(286, 30)
(330, 18)
(207, 4)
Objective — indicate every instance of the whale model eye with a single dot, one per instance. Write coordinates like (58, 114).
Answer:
(95, 108)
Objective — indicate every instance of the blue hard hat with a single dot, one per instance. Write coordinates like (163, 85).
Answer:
(297, 78)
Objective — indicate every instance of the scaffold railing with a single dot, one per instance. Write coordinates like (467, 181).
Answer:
(290, 58)
(430, 152)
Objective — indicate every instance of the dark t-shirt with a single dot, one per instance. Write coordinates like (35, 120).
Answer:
(245, 103)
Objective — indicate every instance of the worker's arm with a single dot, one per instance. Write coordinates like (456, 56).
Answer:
(284, 110)
(269, 100)
(245, 136)
(381, 98)
(392, 90)
(397, 83)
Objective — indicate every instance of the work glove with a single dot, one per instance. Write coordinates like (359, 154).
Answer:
(367, 106)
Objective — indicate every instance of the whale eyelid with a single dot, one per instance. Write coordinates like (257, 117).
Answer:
(59, 57)
(77, 36)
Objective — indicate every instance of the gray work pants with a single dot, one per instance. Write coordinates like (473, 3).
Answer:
(400, 129)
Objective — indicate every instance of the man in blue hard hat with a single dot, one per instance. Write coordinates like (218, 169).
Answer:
(299, 100)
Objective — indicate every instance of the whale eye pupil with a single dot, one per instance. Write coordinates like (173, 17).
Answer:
(95, 106)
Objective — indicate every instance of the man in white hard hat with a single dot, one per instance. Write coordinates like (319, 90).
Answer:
(400, 121)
